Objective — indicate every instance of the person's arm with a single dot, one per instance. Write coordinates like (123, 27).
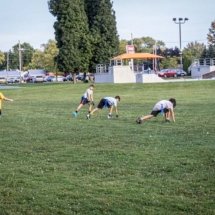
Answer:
(7, 99)
(89, 96)
(172, 115)
(116, 110)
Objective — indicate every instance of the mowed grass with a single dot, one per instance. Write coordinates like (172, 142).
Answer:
(51, 163)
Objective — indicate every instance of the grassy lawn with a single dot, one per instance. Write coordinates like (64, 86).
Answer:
(51, 163)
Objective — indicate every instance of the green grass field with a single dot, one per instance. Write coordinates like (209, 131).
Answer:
(51, 163)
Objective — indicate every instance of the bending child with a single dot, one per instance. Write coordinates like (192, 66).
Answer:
(108, 102)
(166, 107)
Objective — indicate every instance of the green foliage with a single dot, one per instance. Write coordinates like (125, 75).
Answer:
(211, 34)
(169, 62)
(2, 57)
(26, 52)
(51, 163)
(72, 35)
(211, 51)
(191, 52)
(102, 25)
(208, 52)
(143, 44)
(45, 59)
(122, 46)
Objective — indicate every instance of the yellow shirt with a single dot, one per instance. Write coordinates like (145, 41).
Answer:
(1, 99)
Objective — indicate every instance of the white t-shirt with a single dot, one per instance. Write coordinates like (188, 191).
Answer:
(88, 93)
(162, 105)
(111, 101)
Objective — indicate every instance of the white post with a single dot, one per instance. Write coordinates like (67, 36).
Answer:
(20, 57)
(7, 60)
(132, 60)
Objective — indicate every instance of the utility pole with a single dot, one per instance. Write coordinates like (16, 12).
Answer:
(8, 60)
(155, 59)
(179, 22)
(20, 57)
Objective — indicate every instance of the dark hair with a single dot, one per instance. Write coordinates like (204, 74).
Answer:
(117, 97)
(173, 101)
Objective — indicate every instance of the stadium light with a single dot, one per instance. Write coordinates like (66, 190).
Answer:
(180, 21)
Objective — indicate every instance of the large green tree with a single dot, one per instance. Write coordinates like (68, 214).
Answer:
(102, 25)
(211, 34)
(143, 44)
(26, 51)
(45, 59)
(72, 35)
(2, 57)
(191, 52)
(3, 62)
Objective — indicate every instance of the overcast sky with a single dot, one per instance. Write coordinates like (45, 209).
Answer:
(30, 21)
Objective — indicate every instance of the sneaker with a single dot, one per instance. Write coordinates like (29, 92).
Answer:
(74, 114)
(88, 116)
(109, 116)
(139, 120)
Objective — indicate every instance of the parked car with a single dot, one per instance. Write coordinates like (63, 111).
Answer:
(59, 78)
(12, 80)
(38, 78)
(3, 80)
(167, 73)
(180, 72)
(28, 79)
(69, 77)
(79, 77)
(49, 78)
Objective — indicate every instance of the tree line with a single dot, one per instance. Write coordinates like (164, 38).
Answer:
(86, 35)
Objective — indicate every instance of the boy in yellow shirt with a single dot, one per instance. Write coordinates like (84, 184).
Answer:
(2, 98)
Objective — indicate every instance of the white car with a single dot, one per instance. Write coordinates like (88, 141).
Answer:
(38, 78)
(59, 78)
(3, 80)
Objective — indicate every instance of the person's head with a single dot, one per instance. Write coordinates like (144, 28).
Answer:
(91, 86)
(173, 101)
(117, 97)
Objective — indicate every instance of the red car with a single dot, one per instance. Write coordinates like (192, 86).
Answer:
(167, 73)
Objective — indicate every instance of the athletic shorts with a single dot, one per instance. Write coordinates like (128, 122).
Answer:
(84, 101)
(156, 112)
(103, 103)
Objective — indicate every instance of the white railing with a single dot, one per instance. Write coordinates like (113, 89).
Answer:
(102, 68)
(205, 61)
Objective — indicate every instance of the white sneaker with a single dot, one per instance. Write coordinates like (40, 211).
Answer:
(109, 116)
(88, 116)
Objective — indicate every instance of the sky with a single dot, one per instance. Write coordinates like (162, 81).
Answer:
(30, 21)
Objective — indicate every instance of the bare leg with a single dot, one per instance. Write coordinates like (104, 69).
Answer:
(146, 117)
(90, 108)
(93, 111)
(79, 107)
(167, 116)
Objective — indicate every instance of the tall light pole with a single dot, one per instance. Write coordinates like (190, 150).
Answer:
(180, 21)
(20, 57)
(155, 59)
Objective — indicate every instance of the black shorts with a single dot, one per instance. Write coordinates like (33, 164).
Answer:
(84, 101)
(156, 112)
(103, 103)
